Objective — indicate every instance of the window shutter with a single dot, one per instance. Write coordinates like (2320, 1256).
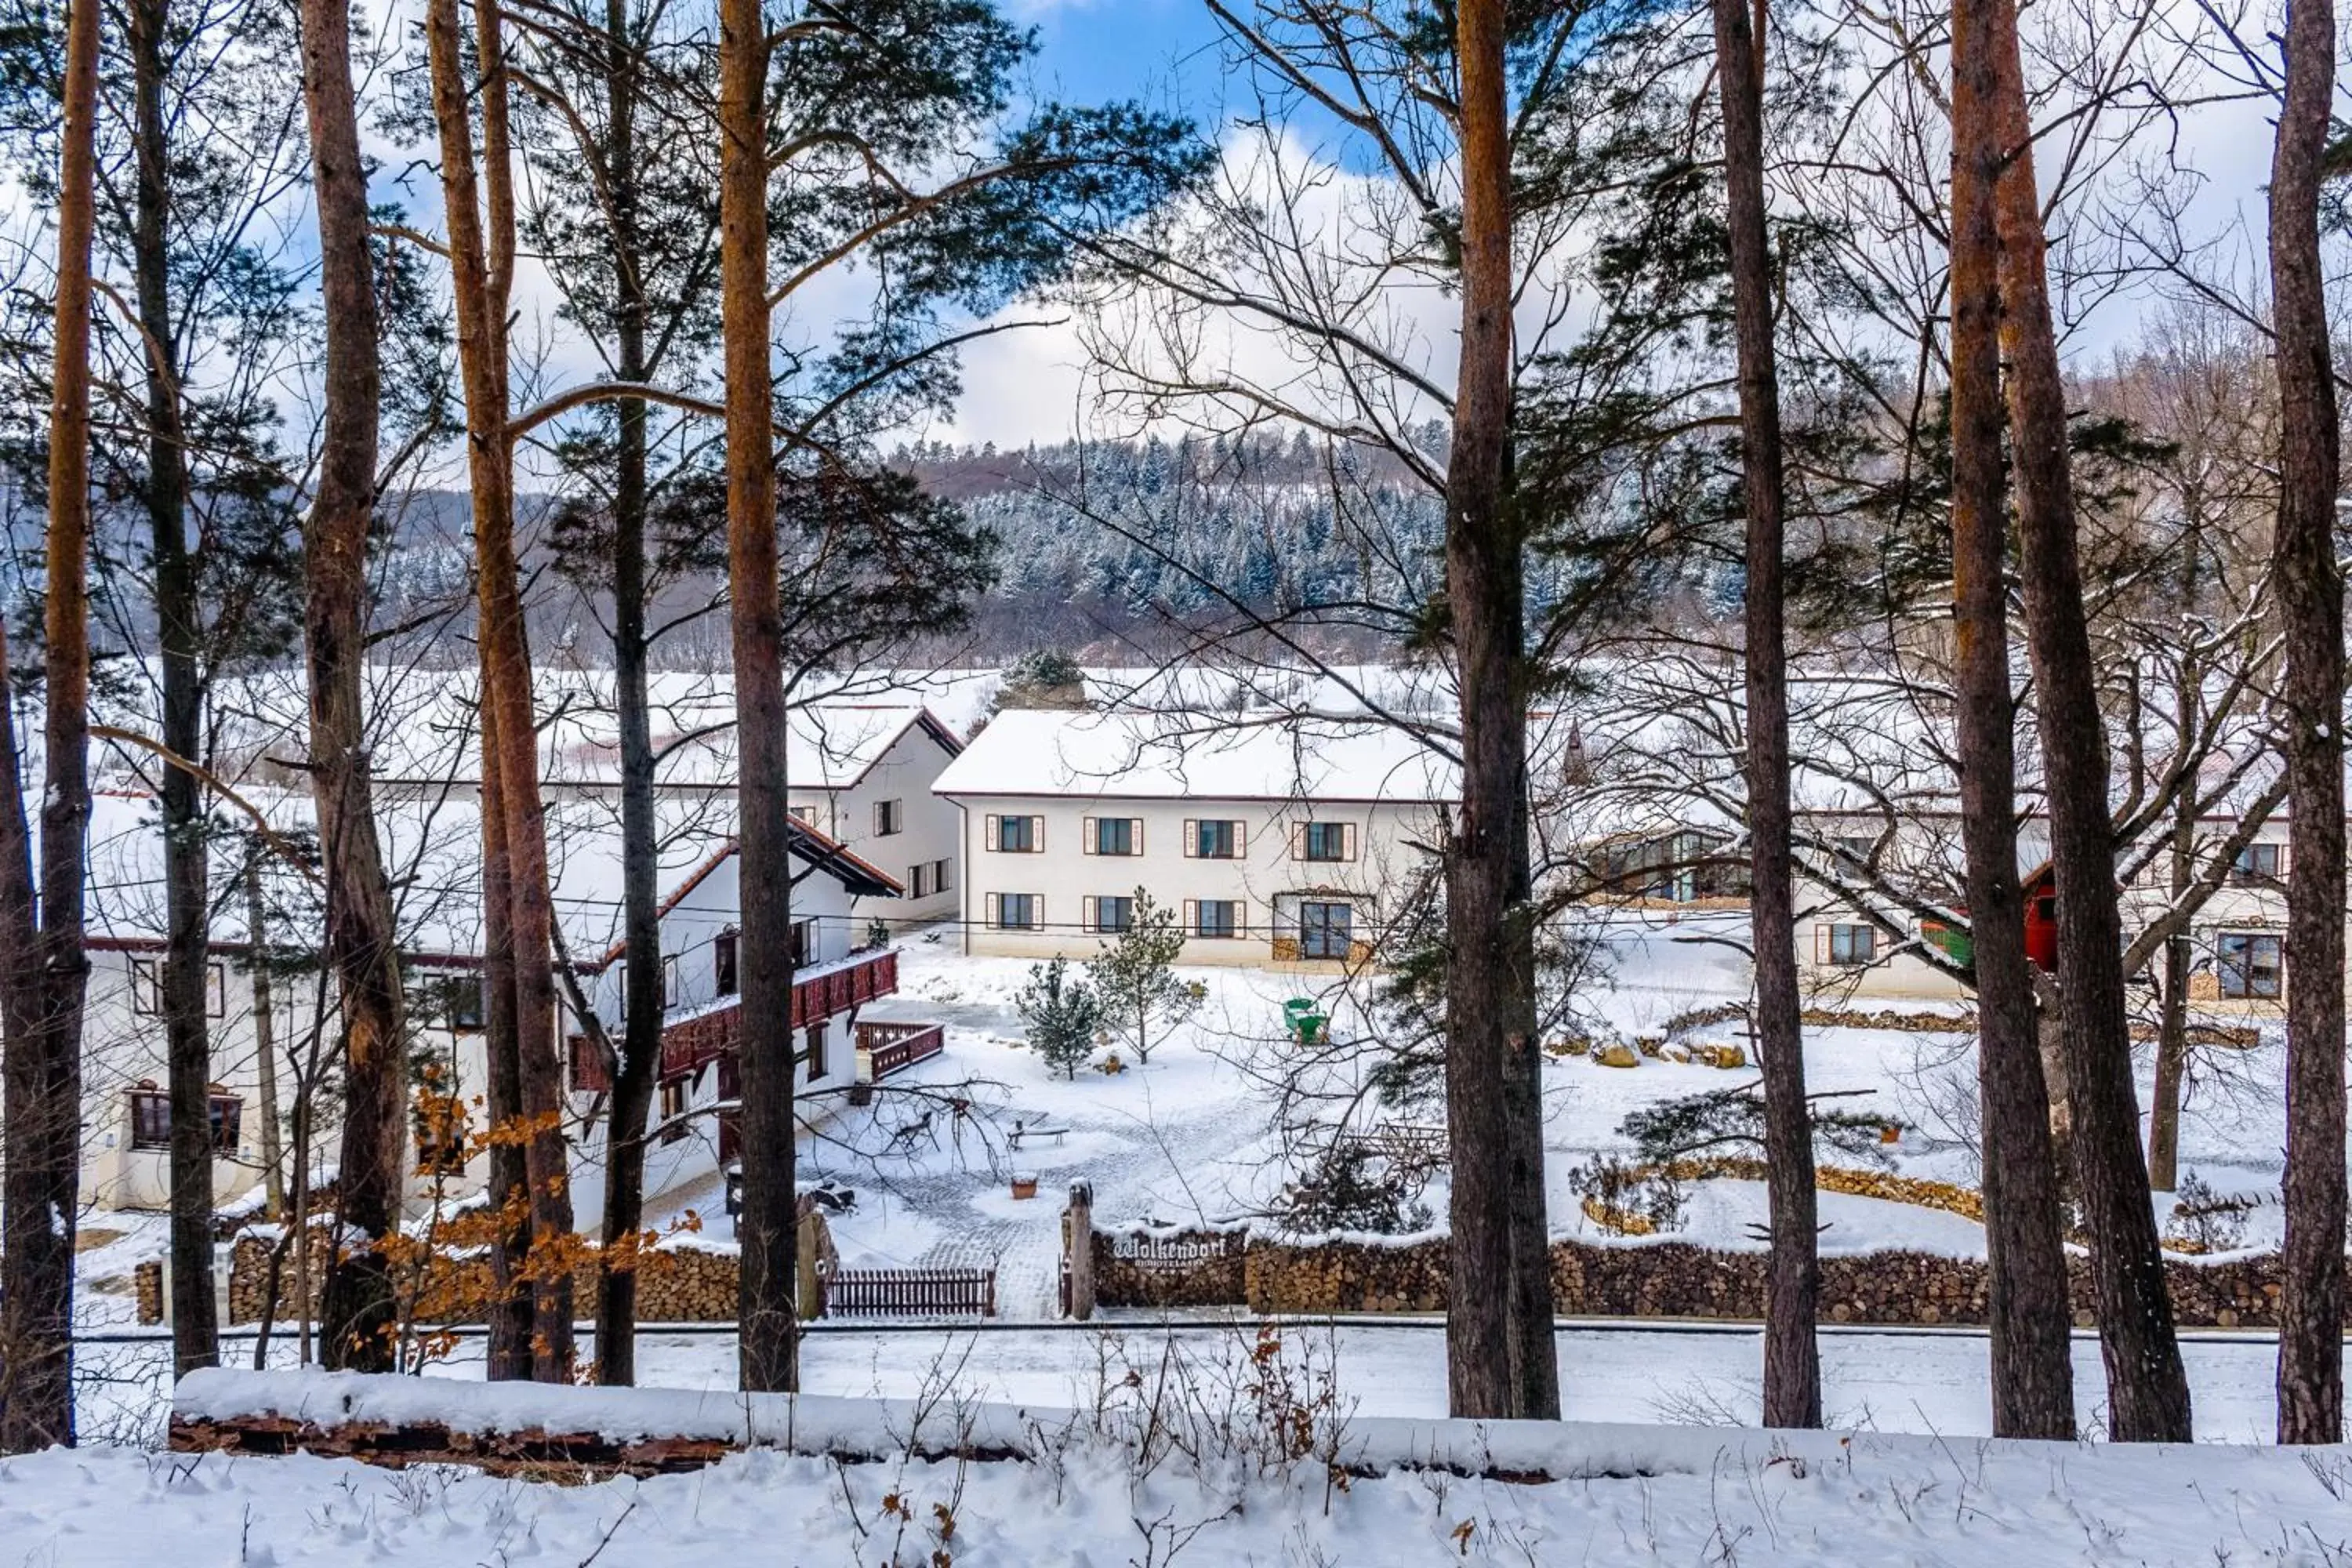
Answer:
(1241, 839)
(991, 836)
(995, 910)
(1037, 834)
(1192, 840)
(1347, 841)
(1138, 833)
(1821, 942)
(1191, 916)
(1088, 830)
(1299, 841)
(2285, 850)
(1037, 911)
(1092, 914)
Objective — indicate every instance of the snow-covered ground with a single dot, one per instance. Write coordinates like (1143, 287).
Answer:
(1203, 1475)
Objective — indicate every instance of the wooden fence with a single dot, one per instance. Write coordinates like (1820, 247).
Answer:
(910, 1292)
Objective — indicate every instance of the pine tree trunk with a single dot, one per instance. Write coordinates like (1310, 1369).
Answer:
(2032, 1368)
(46, 969)
(2311, 610)
(2148, 1388)
(195, 1335)
(265, 1041)
(766, 1229)
(356, 1309)
(1501, 1360)
(1792, 1363)
(640, 1053)
(481, 269)
(511, 1310)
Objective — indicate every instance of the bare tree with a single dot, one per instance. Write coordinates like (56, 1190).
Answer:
(2032, 1368)
(2147, 1387)
(362, 944)
(2311, 605)
(1792, 1363)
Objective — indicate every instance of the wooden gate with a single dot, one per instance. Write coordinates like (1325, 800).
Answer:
(911, 1293)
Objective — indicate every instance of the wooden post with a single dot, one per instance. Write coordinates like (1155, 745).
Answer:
(1078, 1248)
(815, 1248)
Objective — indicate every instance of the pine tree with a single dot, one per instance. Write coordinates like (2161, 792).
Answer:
(1143, 1001)
(1063, 1015)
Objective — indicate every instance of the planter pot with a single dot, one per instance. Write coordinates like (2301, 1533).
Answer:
(1025, 1187)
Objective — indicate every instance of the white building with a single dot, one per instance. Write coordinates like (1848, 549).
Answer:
(1272, 838)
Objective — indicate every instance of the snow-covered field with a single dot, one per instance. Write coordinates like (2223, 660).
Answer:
(1136, 1483)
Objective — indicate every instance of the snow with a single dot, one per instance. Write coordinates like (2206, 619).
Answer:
(1089, 1491)
(1135, 754)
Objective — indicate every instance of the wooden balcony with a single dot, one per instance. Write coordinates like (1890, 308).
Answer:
(705, 1036)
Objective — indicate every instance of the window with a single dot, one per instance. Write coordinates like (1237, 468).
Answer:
(940, 881)
(723, 979)
(1324, 930)
(463, 1002)
(814, 1051)
(440, 1134)
(2256, 863)
(1014, 835)
(1856, 848)
(889, 818)
(671, 987)
(1852, 946)
(930, 878)
(1217, 840)
(1016, 911)
(147, 988)
(2252, 964)
(226, 1113)
(1215, 918)
(804, 943)
(1112, 915)
(673, 1109)
(150, 1118)
(1324, 841)
(1114, 836)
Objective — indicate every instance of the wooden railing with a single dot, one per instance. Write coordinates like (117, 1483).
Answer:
(894, 1047)
(910, 1292)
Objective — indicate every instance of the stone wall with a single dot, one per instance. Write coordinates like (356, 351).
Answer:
(1654, 1279)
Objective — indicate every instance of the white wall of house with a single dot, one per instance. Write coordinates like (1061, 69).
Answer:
(889, 816)
(1050, 900)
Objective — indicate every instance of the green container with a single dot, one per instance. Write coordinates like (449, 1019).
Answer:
(1303, 1019)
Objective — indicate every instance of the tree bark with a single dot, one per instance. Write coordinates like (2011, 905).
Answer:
(2171, 1069)
(46, 968)
(264, 1040)
(766, 1229)
(2032, 1370)
(640, 1053)
(195, 1333)
(481, 269)
(1792, 1363)
(2310, 612)
(1501, 1358)
(357, 1310)
(2148, 1388)
(512, 1308)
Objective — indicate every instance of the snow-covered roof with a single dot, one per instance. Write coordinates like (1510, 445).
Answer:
(1130, 755)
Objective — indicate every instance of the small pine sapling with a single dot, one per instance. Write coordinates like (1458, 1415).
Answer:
(1062, 1013)
(1143, 1001)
